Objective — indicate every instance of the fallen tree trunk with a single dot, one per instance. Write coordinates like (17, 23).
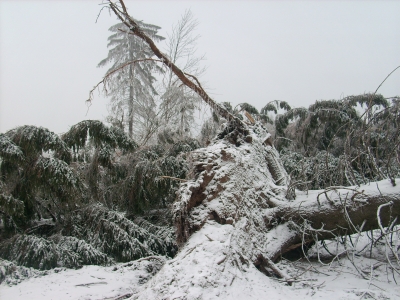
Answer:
(232, 218)
(328, 214)
(235, 185)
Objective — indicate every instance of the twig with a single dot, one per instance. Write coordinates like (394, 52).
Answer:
(92, 283)
(367, 292)
(377, 287)
(385, 79)
(277, 271)
(173, 178)
(148, 258)
(98, 16)
(387, 243)
(195, 78)
(210, 239)
(221, 260)
(378, 214)
(125, 296)
(298, 280)
(233, 278)
(189, 251)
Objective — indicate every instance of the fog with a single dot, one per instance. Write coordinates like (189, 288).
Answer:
(256, 52)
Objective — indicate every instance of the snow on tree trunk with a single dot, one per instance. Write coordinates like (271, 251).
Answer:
(229, 181)
(233, 218)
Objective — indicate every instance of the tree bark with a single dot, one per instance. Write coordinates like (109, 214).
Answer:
(130, 104)
(335, 213)
(233, 184)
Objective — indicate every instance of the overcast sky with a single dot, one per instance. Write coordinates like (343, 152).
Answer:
(257, 51)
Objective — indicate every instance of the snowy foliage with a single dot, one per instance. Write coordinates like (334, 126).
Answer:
(8, 150)
(11, 206)
(232, 196)
(358, 132)
(56, 173)
(34, 140)
(123, 240)
(73, 252)
(35, 175)
(99, 135)
(148, 100)
(44, 254)
(130, 80)
(275, 106)
(95, 235)
(30, 251)
(144, 179)
(319, 171)
(13, 274)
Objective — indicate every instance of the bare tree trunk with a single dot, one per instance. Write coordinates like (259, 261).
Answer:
(130, 104)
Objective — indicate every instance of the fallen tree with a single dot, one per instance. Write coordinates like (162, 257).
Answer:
(233, 214)
(232, 219)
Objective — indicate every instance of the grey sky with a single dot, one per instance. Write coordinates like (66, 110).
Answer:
(257, 51)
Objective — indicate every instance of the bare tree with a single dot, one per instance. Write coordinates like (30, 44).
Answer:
(178, 101)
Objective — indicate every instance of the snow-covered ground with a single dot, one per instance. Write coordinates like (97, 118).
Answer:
(313, 280)
(89, 282)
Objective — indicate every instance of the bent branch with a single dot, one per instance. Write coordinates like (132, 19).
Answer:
(136, 30)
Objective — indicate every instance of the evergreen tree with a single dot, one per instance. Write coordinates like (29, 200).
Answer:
(341, 142)
(131, 88)
(35, 177)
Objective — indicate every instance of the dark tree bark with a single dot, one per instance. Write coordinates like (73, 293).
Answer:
(130, 104)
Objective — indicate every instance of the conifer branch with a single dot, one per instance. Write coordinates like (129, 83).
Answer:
(136, 30)
(104, 80)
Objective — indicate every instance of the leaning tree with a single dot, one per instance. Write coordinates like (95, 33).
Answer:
(234, 212)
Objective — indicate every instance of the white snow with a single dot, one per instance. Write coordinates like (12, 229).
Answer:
(89, 282)
(336, 280)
